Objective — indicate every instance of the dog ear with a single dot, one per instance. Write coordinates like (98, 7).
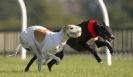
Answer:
(97, 24)
(101, 24)
(65, 28)
(104, 24)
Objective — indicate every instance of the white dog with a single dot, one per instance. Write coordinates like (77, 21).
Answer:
(45, 43)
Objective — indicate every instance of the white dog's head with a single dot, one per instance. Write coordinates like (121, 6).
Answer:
(72, 31)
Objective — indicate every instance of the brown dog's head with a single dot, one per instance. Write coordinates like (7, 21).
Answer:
(104, 31)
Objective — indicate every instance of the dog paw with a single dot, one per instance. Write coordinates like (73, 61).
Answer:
(101, 62)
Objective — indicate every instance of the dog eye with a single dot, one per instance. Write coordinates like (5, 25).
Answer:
(71, 27)
(101, 24)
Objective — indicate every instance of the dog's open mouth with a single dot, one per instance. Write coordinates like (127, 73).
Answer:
(110, 40)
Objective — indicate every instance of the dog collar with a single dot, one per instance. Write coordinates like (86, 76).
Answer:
(91, 28)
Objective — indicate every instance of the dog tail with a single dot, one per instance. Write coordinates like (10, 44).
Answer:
(16, 50)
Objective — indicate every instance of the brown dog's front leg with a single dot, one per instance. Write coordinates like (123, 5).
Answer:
(53, 61)
(30, 63)
(95, 54)
(103, 43)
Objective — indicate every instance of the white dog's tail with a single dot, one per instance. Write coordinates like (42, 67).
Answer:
(16, 50)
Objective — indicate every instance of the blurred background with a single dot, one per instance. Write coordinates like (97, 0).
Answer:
(55, 13)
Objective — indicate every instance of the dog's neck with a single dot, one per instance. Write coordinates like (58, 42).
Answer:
(64, 37)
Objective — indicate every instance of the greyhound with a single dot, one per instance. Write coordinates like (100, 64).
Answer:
(44, 43)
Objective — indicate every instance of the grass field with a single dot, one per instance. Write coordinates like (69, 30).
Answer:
(71, 66)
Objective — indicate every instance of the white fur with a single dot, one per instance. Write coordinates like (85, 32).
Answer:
(52, 43)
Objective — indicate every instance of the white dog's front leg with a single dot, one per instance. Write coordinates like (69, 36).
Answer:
(54, 57)
(40, 62)
(39, 67)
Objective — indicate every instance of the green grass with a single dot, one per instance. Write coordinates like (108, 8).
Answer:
(71, 66)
